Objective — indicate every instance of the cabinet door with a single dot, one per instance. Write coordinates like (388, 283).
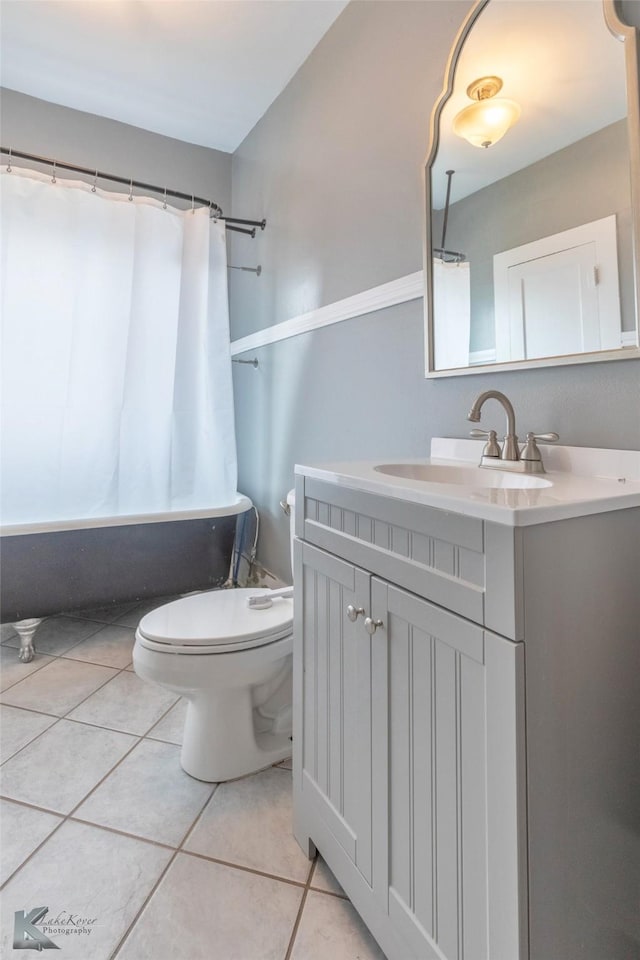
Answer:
(336, 760)
(453, 803)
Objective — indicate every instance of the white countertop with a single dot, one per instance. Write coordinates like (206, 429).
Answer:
(582, 481)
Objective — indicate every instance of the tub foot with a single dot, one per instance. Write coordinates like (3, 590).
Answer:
(25, 630)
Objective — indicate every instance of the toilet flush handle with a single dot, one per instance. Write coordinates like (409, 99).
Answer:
(262, 601)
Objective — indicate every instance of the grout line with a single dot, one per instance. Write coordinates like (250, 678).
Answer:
(108, 680)
(156, 722)
(83, 722)
(30, 674)
(138, 915)
(303, 901)
(39, 713)
(204, 806)
(158, 881)
(240, 866)
(33, 806)
(37, 737)
(33, 852)
(60, 656)
(139, 739)
(198, 818)
(122, 833)
(67, 816)
(329, 893)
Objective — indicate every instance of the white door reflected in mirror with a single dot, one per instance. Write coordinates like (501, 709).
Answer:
(577, 272)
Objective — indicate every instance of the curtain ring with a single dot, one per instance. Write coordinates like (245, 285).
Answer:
(9, 164)
(164, 205)
(93, 188)
(131, 190)
(53, 178)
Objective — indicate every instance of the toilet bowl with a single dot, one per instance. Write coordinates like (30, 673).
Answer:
(233, 665)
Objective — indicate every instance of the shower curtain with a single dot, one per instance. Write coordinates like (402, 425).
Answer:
(116, 374)
(452, 307)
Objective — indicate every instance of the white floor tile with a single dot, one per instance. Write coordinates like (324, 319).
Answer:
(56, 635)
(323, 879)
(125, 703)
(92, 874)
(204, 910)
(111, 646)
(171, 727)
(23, 829)
(13, 670)
(330, 927)
(149, 795)
(58, 769)
(58, 687)
(18, 728)
(249, 822)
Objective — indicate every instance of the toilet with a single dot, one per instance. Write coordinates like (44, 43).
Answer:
(233, 665)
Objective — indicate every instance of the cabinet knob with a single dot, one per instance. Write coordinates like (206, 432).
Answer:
(372, 625)
(354, 612)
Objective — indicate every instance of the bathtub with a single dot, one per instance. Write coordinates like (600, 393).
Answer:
(77, 564)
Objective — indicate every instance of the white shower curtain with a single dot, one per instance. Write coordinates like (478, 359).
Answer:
(116, 375)
(452, 308)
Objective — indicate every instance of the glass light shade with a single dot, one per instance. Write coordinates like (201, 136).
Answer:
(485, 122)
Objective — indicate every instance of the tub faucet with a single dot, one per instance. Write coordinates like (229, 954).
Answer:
(510, 449)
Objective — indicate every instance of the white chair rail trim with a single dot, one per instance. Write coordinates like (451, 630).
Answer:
(402, 290)
(409, 287)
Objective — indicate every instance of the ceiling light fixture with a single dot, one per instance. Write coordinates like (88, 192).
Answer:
(487, 120)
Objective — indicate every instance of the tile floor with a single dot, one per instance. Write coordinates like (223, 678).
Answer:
(99, 822)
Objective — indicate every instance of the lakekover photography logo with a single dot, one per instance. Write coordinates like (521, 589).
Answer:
(34, 930)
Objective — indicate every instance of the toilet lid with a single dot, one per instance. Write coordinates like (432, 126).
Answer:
(217, 618)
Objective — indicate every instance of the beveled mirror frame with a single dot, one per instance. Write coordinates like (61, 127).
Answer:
(629, 36)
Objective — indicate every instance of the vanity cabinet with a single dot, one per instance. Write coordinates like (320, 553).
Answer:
(409, 718)
(410, 755)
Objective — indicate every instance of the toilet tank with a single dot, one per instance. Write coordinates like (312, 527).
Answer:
(291, 503)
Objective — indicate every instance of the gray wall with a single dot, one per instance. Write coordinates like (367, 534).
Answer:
(336, 167)
(46, 129)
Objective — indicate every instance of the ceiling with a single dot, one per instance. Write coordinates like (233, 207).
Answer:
(203, 71)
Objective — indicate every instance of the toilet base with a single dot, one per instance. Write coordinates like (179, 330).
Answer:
(221, 741)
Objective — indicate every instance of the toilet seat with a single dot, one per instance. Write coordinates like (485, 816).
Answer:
(215, 622)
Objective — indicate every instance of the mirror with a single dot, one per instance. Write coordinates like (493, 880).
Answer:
(531, 255)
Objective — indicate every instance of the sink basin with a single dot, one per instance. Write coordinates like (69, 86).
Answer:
(467, 476)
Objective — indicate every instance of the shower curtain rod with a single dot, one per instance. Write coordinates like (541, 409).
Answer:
(139, 185)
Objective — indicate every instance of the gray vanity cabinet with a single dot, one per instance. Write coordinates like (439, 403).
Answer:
(407, 765)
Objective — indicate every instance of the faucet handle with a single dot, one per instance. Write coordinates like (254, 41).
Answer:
(530, 450)
(492, 448)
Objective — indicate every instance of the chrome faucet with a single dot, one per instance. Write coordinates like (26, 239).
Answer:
(510, 449)
(510, 457)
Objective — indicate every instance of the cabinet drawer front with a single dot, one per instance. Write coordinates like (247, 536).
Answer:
(435, 554)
